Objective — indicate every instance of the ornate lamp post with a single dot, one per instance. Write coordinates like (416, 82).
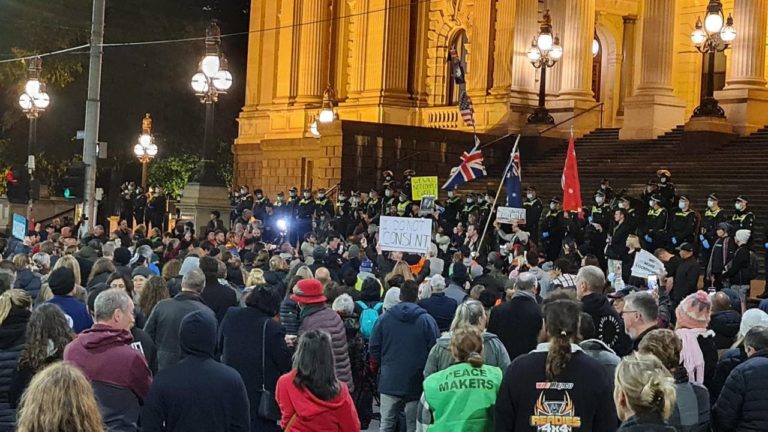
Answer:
(545, 51)
(710, 38)
(212, 80)
(33, 101)
(146, 149)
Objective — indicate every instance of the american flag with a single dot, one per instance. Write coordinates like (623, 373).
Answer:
(470, 168)
(466, 109)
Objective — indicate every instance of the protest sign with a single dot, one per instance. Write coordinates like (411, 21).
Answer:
(421, 186)
(19, 228)
(427, 205)
(646, 265)
(508, 215)
(405, 234)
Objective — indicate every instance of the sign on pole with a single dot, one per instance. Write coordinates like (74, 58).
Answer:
(19, 228)
(399, 234)
(508, 215)
(646, 265)
(421, 186)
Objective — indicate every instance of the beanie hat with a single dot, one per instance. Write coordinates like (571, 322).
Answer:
(354, 252)
(391, 299)
(459, 274)
(61, 281)
(121, 256)
(319, 253)
(693, 311)
(366, 266)
(142, 271)
(742, 235)
(752, 318)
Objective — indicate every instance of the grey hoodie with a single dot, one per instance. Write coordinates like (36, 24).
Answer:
(440, 356)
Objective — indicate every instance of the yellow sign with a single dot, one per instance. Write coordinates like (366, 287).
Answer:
(421, 186)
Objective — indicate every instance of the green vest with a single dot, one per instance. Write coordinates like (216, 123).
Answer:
(462, 397)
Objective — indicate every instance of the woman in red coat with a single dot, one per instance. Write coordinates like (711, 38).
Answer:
(310, 397)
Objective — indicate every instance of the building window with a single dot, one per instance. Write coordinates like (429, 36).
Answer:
(597, 67)
(459, 42)
(720, 61)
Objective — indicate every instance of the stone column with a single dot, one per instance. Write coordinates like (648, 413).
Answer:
(503, 53)
(313, 51)
(745, 97)
(576, 83)
(555, 74)
(479, 57)
(654, 109)
(288, 58)
(627, 62)
(524, 89)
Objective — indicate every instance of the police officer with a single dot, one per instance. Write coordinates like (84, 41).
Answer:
(682, 225)
(452, 208)
(292, 203)
(655, 231)
(389, 199)
(651, 189)
(553, 229)
(713, 216)
(631, 219)
(470, 206)
(322, 202)
(596, 232)
(742, 218)
(260, 205)
(280, 206)
(606, 189)
(666, 188)
(408, 174)
(126, 198)
(403, 204)
(157, 209)
(533, 209)
(305, 211)
(374, 206)
(389, 179)
(139, 205)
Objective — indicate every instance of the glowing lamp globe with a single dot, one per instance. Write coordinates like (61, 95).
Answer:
(313, 129)
(25, 101)
(222, 80)
(199, 83)
(534, 54)
(32, 87)
(326, 115)
(138, 150)
(556, 53)
(41, 100)
(698, 36)
(544, 42)
(713, 22)
(210, 65)
(595, 47)
(152, 150)
(728, 34)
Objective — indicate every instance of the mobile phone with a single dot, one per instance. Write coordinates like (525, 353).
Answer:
(653, 282)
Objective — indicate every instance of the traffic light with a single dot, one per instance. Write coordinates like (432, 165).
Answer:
(17, 181)
(73, 182)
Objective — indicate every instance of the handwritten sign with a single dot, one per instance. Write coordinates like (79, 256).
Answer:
(405, 234)
(508, 215)
(646, 265)
(421, 186)
(19, 228)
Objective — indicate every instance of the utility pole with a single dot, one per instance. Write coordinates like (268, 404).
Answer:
(92, 106)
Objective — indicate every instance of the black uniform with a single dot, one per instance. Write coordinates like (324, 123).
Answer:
(743, 219)
(139, 207)
(655, 231)
(305, 211)
(326, 205)
(682, 227)
(469, 208)
(373, 208)
(595, 240)
(707, 232)
(452, 210)
(533, 210)
(260, 208)
(667, 192)
(552, 233)
(126, 208)
(156, 211)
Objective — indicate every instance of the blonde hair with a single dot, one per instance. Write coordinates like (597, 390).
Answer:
(647, 385)
(304, 272)
(255, 277)
(70, 262)
(59, 398)
(20, 261)
(633, 241)
(13, 297)
(468, 314)
(467, 346)
(400, 269)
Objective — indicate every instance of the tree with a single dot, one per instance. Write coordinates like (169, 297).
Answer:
(173, 173)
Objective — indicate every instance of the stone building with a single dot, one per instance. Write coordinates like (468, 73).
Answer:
(385, 61)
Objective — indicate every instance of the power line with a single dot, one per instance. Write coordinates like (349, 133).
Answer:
(202, 38)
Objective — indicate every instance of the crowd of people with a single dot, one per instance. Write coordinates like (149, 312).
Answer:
(292, 317)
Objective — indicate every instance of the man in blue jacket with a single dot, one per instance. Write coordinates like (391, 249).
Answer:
(743, 403)
(400, 344)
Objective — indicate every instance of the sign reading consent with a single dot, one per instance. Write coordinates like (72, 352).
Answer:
(405, 234)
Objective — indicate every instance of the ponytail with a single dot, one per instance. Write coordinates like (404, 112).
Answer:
(475, 359)
(561, 320)
(647, 385)
(467, 346)
(558, 356)
(13, 297)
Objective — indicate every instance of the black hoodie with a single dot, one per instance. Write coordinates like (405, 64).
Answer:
(608, 324)
(199, 393)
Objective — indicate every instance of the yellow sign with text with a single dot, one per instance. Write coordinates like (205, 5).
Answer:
(421, 186)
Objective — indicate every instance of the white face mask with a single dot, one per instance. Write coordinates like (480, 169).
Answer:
(388, 193)
(470, 200)
(320, 196)
(450, 194)
(663, 180)
(599, 200)
(306, 194)
(650, 203)
(681, 205)
(552, 206)
(738, 206)
(710, 204)
(529, 196)
(622, 205)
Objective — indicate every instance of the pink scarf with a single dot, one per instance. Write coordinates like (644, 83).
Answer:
(691, 356)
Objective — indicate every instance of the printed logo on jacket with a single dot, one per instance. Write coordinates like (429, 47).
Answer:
(554, 410)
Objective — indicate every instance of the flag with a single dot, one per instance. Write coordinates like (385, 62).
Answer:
(470, 168)
(466, 109)
(514, 184)
(570, 180)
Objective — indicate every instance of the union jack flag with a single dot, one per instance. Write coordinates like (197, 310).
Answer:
(466, 109)
(470, 168)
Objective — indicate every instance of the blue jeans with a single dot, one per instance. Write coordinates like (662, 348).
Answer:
(391, 406)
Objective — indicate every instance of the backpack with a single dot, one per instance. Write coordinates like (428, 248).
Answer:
(368, 318)
(751, 272)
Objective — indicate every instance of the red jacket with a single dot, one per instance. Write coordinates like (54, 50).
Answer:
(313, 414)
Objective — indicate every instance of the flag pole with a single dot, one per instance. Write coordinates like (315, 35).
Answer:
(498, 192)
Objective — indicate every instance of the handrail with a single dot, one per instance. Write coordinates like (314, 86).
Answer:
(333, 189)
(60, 214)
(601, 104)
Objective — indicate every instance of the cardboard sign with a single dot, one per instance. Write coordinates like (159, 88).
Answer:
(19, 229)
(646, 265)
(421, 186)
(508, 215)
(427, 205)
(405, 234)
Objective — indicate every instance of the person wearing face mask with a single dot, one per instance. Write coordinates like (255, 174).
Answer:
(374, 206)
(655, 230)
(260, 203)
(533, 210)
(305, 210)
(606, 189)
(389, 178)
(651, 189)
(596, 232)
(403, 204)
(666, 188)
(723, 249)
(713, 217)
(553, 229)
(322, 202)
(632, 219)
(743, 218)
(470, 207)
(390, 199)
(407, 175)
(452, 208)
(682, 224)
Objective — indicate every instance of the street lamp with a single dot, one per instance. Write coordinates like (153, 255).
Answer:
(145, 149)
(545, 51)
(33, 101)
(212, 79)
(710, 38)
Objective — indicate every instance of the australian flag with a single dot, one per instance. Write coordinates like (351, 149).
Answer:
(513, 182)
(470, 168)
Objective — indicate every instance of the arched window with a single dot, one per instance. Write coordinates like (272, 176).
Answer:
(459, 43)
(597, 66)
